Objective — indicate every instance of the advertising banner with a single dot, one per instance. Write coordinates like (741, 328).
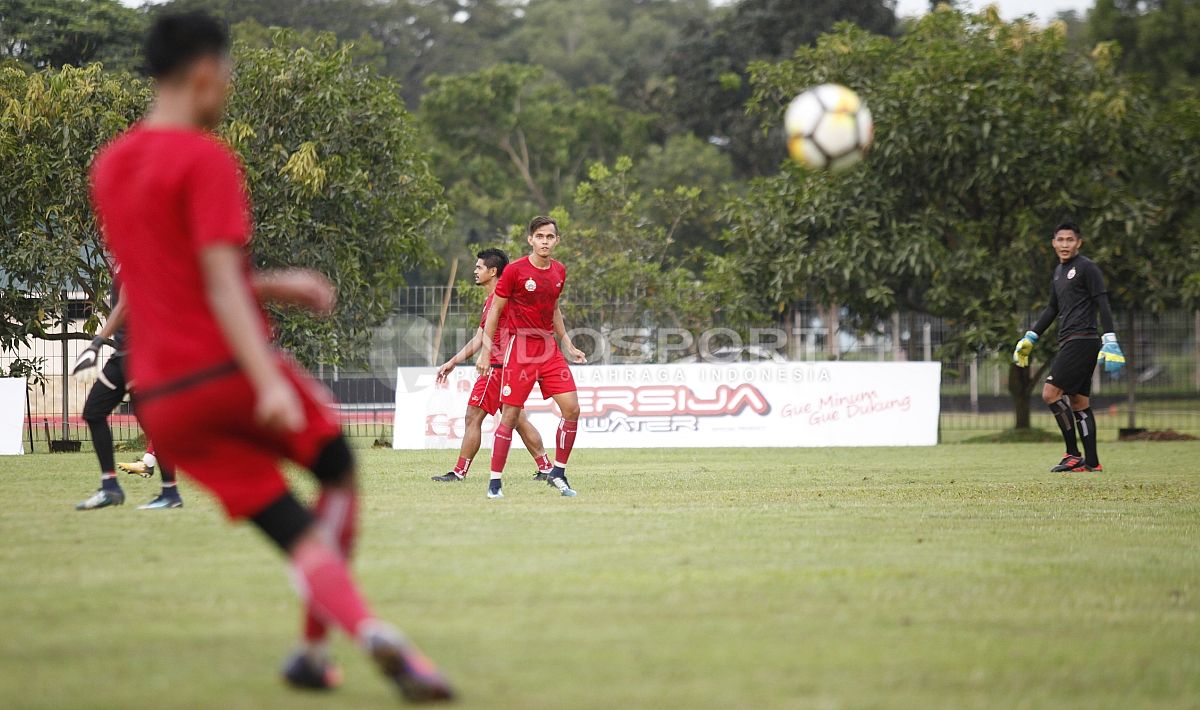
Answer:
(702, 404)
(12, 415)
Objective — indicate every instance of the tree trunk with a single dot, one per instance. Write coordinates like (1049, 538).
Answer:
(831, 319)
(1020, 382)
(1130, 376)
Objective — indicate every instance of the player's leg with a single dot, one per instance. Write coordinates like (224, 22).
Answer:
(145, 467)
(1060, 407)
(533, 442)
(557, 382)
(564, 440)
(510, 414)
(104, 396)
(1081, 406)
(472, 439)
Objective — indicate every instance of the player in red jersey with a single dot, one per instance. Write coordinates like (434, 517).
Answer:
(212, 393)
(485, 396)
(527, 296)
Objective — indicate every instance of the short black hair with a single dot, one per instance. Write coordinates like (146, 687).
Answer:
(493, 259)
(538, 222)
(177, 39)
(1070, 226)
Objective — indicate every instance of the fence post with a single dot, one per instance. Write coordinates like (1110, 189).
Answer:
(897, 349)
(66, 378)
(975, 384)
(927, 332)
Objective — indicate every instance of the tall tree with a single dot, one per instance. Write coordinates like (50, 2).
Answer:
(54, 33)
(987, 133)
(709, 71)
(1157, 39)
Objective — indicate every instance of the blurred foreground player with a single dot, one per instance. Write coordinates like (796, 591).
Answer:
(212, 393)
(107, 391)
(526, 296)
(1076, 292)
(485, 396)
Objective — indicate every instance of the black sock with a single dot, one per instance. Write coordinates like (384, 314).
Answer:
(1087, 432)
(1061, 410)
(168, 480)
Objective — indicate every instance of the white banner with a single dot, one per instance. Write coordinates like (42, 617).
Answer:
(697, 405)
(12, 415)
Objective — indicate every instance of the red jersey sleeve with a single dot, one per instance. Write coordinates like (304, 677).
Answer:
(216, 206)
(508, 279)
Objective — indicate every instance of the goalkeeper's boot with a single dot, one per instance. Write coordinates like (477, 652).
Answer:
(1083, 467)
(413, 673)
(137, 468)
(1068, 463)
(162, 502)
(448, 477)
(102, 498)
(557, 478)
(306, 671)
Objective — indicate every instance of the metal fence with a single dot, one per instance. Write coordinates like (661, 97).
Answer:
(429, 324)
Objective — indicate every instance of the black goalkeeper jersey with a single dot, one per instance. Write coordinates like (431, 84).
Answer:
(1077, 292)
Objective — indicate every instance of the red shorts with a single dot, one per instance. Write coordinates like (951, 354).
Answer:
(208, 430)
(486, 393)
(533, 360)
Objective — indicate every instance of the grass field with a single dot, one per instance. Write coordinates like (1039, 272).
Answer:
(956, 577)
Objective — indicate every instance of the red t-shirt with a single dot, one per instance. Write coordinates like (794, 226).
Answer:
(161, 196)
(532, 295)
(500, 334)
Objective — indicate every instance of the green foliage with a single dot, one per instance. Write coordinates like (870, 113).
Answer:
(51, 124)
(339, 182)
(1157, 39)
(338, 179)
(512, 142)
(708, 66)
(54, 33)
(988, 133)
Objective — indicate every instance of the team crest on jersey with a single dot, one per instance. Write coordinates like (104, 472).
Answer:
(506, 391)
(1071, 273)
(531, 285)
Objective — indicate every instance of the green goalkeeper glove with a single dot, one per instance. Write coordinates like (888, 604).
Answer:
(1024, 348)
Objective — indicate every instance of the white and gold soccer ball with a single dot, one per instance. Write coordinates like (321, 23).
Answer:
(828, 127)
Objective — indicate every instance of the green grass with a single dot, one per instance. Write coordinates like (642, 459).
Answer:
(954, 577)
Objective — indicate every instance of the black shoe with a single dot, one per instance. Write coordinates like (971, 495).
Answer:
(1068, 463)
(449, 477)
(304, 672)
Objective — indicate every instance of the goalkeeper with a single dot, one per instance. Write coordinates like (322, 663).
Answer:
(108, 389)
(1077, 292)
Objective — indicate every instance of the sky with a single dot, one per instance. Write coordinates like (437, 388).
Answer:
(1009, 9)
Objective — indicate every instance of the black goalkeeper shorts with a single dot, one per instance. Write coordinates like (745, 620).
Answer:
(1072, 368)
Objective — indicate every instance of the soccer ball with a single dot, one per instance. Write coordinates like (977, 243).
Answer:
(828, 126)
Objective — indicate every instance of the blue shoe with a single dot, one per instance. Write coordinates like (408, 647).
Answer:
(558, 479)
(161, 501)
(102, 498)
(303, 671)
(494, 489)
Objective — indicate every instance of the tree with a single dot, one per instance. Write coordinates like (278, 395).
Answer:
(54, 33)
(52, 123)
(337, 175)
(340, 183)
(987, 134)
(512, 143)
(1157, 39)
(708, 67)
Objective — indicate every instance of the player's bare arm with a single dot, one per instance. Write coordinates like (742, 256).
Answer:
(560, 331)
(484, 361)
(461, 356)
(306, 288)
(277, 406)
